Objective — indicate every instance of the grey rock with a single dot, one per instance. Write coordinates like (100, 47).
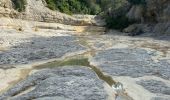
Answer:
(130, 62)
(40, 49)
(53, 98)
(136, 13)
(69, 83)
(159, 98)
(155, 86)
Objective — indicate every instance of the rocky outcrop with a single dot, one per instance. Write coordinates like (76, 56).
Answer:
(157, 10)
(6, 4)
(120, 10)
(6, 9)
(6, 12)
(157, 29)
(154, 16)
(36, 10)
(136, 13)
(153, 11)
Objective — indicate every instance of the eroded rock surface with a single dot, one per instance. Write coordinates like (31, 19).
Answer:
(39, 48)
(130, 62)
(155, 86)
(138, 65)
(66, 83)
(127, 60)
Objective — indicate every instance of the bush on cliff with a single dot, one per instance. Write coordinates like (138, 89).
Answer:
(19, 5)
(74, 6)
(119, 22)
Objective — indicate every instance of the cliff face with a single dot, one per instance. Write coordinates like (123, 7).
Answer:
(159, 10)
(36, 10)
(6, 9)
(6, 3)
(151, 16)
(154, 17)
(153, 11)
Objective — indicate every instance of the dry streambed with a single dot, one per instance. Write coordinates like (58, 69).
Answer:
(43, 67)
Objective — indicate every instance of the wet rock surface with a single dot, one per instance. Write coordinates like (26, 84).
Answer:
(65, 83)
(40, 48)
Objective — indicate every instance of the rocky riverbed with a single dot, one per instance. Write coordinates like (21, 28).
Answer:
(49, 64)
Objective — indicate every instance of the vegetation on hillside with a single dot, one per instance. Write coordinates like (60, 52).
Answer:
(119, 22)
(88, 7)
(19, 5)
(92, 7)
(74, 6)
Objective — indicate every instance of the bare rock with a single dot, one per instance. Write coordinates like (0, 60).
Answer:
(155, 86)
(136, 13)
(66, 83)
(162, 28)
(6, 4)
(130, 62)
(40, 49)
(134, 29)
(158, 10)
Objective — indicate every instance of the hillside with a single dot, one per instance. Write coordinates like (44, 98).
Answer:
(36, 10)
(130, 16)
(142, 16)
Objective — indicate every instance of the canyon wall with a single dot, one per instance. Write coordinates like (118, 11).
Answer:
(154, 17)
(36, 10)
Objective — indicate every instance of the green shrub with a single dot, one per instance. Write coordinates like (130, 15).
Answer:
(74, 6)
(19, 5)
(51, 4)
(119, 22)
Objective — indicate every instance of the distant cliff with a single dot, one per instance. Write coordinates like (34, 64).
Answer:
(36, 10)
(143, 16)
